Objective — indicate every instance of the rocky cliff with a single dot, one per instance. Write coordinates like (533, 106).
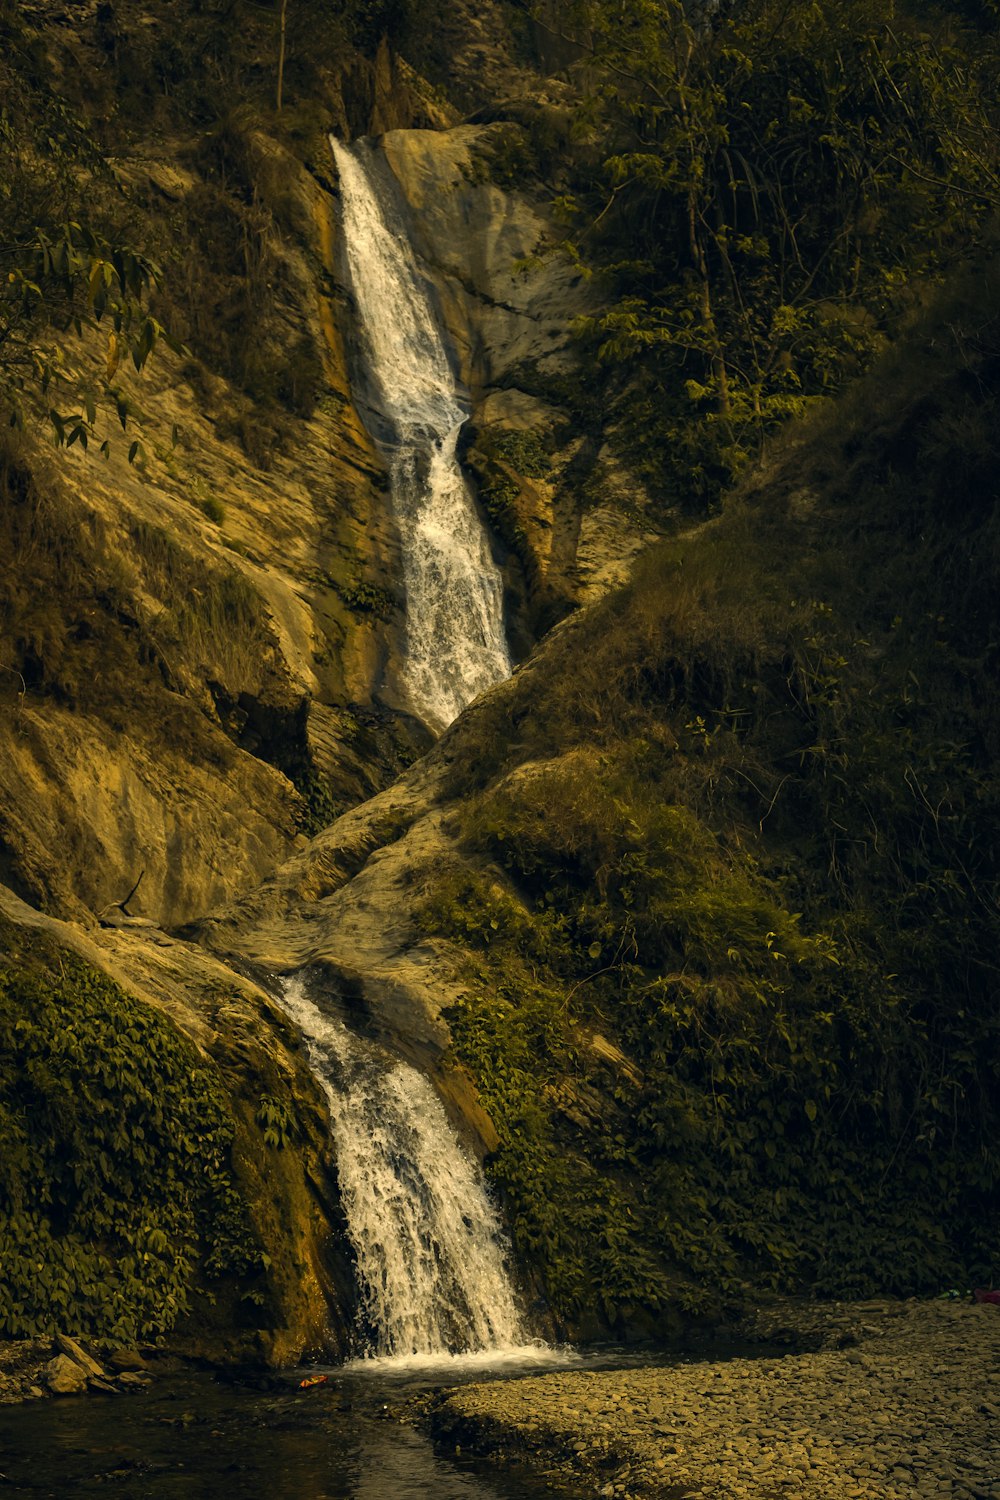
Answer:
(202, 632)
(667, 918)
(215, 625)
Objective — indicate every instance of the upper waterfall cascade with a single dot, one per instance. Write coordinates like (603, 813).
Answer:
(426, 1237)
(455, 642)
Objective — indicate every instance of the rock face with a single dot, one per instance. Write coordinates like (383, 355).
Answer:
(192, 639)
(473, 235)
(195, 633)
(344, 909)
(509, 302)
(196, 642)
(74, 1351)
(291, 1193)
(347, 907)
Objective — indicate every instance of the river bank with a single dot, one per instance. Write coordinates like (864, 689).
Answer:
(889, 1401)
(31, 1369)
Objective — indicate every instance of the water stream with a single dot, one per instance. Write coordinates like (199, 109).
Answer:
(455, 644)
(428, 1246)
(191, 1437)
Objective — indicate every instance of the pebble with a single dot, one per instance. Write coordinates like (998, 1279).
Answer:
(907, 1416)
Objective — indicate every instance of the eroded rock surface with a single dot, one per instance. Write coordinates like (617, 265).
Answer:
(509, 301)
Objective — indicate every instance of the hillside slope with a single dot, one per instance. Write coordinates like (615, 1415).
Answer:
(692, 922)
(704, 899)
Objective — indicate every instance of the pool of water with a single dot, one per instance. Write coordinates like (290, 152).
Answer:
(192, 1436)
(189, 1436)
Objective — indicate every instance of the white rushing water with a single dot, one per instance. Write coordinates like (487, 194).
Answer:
(426, 1237)
(455, 642)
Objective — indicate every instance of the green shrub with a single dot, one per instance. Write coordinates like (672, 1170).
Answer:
(773, 1120)
(730, 927)
(523, 451)
(115, 1176)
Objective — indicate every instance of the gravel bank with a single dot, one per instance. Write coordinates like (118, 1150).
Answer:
(906, 1408)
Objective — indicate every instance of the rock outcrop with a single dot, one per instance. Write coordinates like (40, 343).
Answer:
(291, 1190)
(198, 626)
(484, 228)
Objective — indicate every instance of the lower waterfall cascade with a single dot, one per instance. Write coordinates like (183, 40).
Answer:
(455, 643)
(426, 1237)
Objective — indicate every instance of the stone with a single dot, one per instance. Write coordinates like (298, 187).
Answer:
(798, 1431)
(79, 1355)
(121, 1360)
(64, 1377)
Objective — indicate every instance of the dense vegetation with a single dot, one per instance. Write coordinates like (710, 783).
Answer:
(116, 1187)
(729, 919)
(743, 827)
(65, 258)
(765, 183)
(79, 254)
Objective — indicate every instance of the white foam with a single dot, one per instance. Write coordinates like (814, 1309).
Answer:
(429, 1252)
(516, 1359)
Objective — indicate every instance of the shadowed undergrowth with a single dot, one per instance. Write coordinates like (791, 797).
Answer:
(117, 1192)
(742, 830)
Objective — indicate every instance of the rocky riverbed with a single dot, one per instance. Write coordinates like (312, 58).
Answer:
(33, 1368)
(892, 1401)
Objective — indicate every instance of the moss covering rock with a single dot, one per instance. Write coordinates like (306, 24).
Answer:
(116, 1183)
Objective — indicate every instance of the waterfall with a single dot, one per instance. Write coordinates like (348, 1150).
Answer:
(426, 1238)
(455, 643)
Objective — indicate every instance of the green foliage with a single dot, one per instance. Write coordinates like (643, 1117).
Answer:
(732, 962)
(786, 1119)
(275, 1118)
(772, 181)
(499, 494)
(213, 508)
(367, 598)
(572, 1218)
(523, 451)
(59, 269)
(497, 460)
(321, 807)
(115, 1180)
(508, 158)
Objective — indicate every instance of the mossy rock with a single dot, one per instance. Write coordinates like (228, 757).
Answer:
(116, 1183)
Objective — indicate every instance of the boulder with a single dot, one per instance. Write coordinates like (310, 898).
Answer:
(64, 1377)
(79, 1356)
(121, 1360)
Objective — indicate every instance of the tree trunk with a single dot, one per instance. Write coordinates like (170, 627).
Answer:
(720, 375)
(281, 53)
